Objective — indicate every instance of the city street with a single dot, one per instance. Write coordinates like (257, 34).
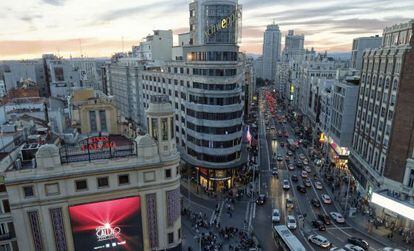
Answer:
(337, 234)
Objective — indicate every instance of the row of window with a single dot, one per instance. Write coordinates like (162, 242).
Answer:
(213, 144)
(214, 115)
(81, 185)
(215, 101)
(214, 130)
(213, 158)
(215, 87)
(215, 72)
(212, 56)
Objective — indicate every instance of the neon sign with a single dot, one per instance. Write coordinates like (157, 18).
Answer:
(97, 143)
(224, 23)
(106, 232)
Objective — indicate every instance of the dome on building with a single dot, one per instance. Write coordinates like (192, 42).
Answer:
(47, 151)
(147, 148)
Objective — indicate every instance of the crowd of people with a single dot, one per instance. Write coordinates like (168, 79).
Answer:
(212, 236)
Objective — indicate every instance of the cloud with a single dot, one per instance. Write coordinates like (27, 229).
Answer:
(54, 2)
(180, 30)
(164, 6)
(29, 18)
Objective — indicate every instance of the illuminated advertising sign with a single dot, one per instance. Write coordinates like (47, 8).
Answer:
(393, 205)
(97, 143)
(224, 23)
(107, 225)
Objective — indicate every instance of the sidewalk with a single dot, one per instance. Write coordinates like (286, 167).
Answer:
(360, 222)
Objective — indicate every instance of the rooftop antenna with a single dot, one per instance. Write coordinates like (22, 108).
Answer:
(80, 47)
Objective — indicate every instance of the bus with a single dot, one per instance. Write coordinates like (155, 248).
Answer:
(285, 240)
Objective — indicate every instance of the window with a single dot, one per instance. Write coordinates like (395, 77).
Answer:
(123, 179)
(81, 185)
(164, 128)
(103, 182)
(154, 122)
(3, 229)
(2, 188)
(102, 117)
(92, 121)
(167, 173)
(170, 238)
(28, 191)
(6, 206)
(5, 247)
(52, 189)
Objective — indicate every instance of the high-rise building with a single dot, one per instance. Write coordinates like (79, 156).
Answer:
(271, 51)
(383, 146)
(258, 67)
(294, 49)
(359, 45)
(206, 90)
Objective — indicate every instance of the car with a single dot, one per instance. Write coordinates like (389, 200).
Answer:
(301, 188)
(290, 153)
(305, 162)
(275, 216)
(289, 203)
(325, 219)
(319, 240)
(337, 249)
(279, 158)
(302, 156)
(286, 134)
(294, 178)
(282, 144)
(307, 169)
(287, 158)
(275, 172)
(359, 242)
(351, 247)
(315, 203)
(299, 163)
(286, 185)
(326, 199)
(318, 185)
(319, 225)
(304, 174)
(291, 167)
(291, 222)
(337, 217)
(261, 199)
(307, 182)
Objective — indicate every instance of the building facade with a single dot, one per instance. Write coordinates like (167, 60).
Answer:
(361, 44)
(103, 193)
(382, 143)
(294, 47)
(271, 51)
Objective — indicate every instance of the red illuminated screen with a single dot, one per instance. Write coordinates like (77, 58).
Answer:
(107, 225)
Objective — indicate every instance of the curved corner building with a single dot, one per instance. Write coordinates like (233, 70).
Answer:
(205, 88)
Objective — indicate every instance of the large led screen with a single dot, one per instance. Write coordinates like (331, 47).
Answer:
(107, 225)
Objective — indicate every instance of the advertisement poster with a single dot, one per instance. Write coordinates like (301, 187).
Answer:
(107, 225)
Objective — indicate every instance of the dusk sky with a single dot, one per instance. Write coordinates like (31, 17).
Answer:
(33, 27)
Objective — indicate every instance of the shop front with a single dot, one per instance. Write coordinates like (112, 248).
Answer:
(215, 180)
(338, 156)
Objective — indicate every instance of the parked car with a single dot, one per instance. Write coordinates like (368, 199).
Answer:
(319, 225)
(261, 199)
(307, 182)
(294, 178)
(325, 219)
(301, 188)
(289, 203)
(315, 203)
(318, 185)
(350, 247)
(326, 199)
(304, 174)
(276, 216)
(286, 185)
(319, 240)
(337, 217)
(291, 222)
(359, 242)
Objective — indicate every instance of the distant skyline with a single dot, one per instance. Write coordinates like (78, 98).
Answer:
(31, 28)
